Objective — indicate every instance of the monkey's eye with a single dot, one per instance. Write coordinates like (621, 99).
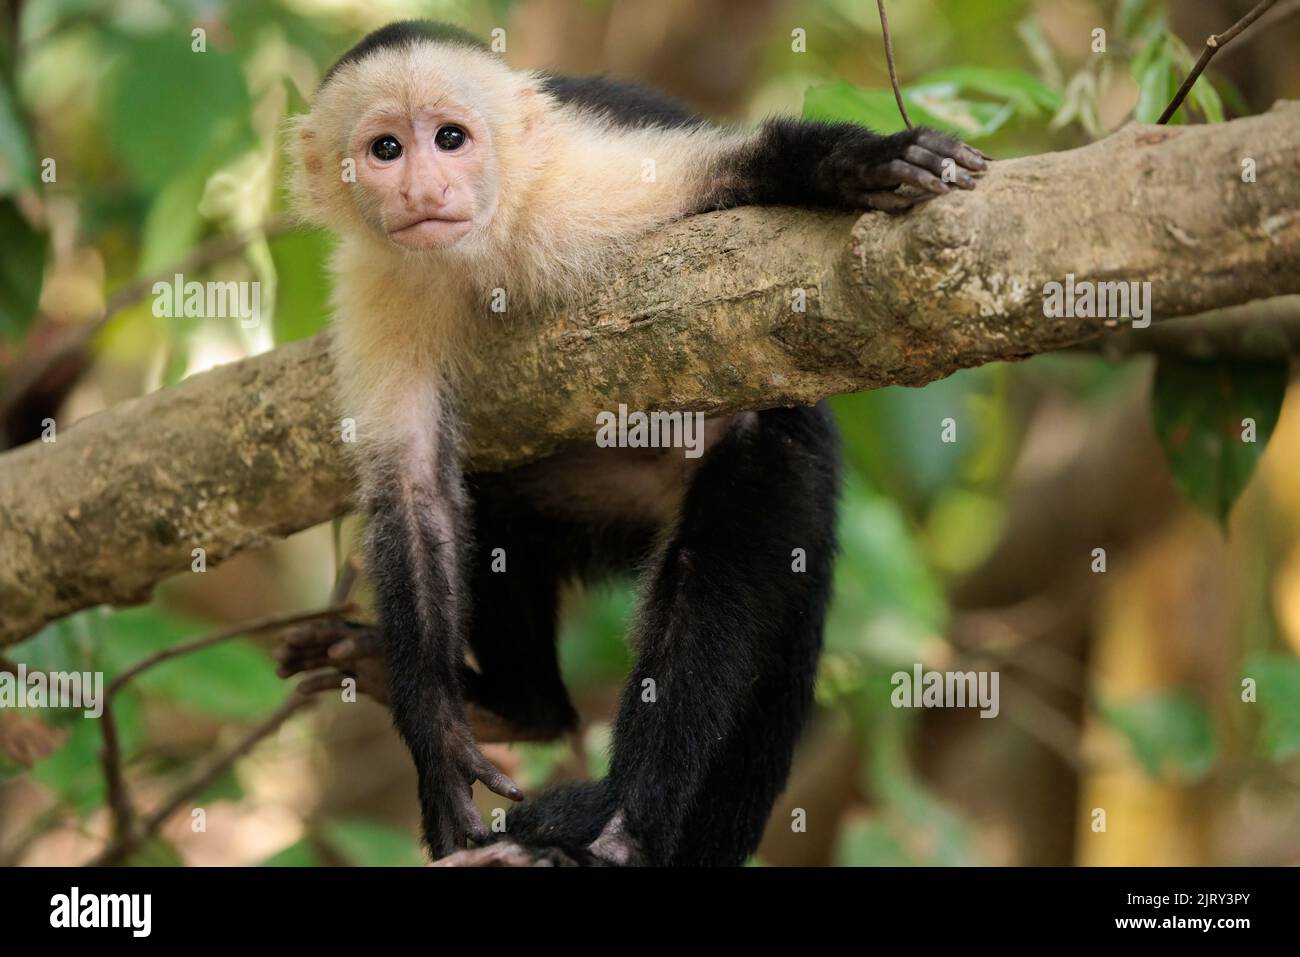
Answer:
(386, 148)
(450, 138)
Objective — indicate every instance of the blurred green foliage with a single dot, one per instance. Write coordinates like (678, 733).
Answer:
(160, 149)
(1214, 419)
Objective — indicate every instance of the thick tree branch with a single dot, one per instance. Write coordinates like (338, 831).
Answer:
(699, 316)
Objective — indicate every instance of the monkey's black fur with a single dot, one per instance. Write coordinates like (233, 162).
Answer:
(404, 33)
(728, 631)
(620, 102)
(729, 628)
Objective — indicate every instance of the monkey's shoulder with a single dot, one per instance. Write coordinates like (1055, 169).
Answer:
(621, 102)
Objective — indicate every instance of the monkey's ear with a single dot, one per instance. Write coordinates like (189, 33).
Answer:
(306, 145)
(309, 192)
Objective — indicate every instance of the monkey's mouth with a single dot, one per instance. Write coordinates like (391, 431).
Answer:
(430, 233)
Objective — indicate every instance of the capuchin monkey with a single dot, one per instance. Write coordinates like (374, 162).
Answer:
(446, 174)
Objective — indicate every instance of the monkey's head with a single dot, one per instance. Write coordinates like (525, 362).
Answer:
(410, 137)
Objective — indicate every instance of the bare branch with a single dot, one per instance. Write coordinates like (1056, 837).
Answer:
(270, 623)
(741, 309)
(1215, 43)
(889, 61)
(125, 843)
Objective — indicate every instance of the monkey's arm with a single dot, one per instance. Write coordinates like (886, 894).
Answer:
(417, 529)
(807, 163)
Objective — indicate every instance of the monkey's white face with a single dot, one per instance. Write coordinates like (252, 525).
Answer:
(425, 177)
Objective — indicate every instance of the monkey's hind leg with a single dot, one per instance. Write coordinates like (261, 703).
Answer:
(513, 581)
(730, 631)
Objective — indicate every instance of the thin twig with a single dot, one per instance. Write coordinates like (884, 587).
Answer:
(119, 797)
(126, 835)
(79, 336)
(1215, 43)
(1270, 19)
(889, 60)
(122, 845)
(270, 623)
(202, 781)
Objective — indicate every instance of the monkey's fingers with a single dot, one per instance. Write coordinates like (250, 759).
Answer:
(470, 820)
(358, 647)
(951, 148)
(321, 683)
(307, 647)
(900, 172)
(494, 779)
(290, 664)
(888, 201)
(323, 632)
(328, 681)
(945, 167)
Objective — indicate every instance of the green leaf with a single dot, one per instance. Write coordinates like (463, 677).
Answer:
(300, 854)
(22, 269)
(1130, 15)
(74, 771)
(939, 107)
(1205, 99)
(880, 434)
(169, 107)
(844, 102)
(234, 679)
(1170, 732)
(17, 160)
(1277, 680)
(173, 224)
(302, 291)
(887, 600)
(1040, 49)
(1155, 88)
(370, 844)
(1031, 96)
(1203, 412)
(68, 644)
(936, 105)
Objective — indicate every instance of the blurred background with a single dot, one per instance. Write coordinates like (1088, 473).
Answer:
(1121, 691)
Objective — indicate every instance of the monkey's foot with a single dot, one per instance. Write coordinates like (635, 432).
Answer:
(335, 650)
(508, 854)
(924, 163)
(345, 649)
(447, 775)
(612, 848)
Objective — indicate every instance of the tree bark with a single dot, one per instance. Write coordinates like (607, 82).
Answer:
(699, 316)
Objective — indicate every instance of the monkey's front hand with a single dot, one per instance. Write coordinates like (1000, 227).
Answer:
(450, 764)
(865, 171)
